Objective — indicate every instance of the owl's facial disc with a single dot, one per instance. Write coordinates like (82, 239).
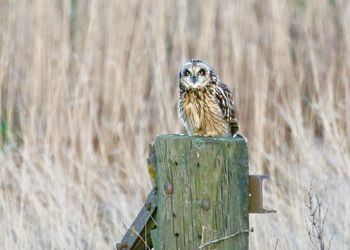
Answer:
(194, 75)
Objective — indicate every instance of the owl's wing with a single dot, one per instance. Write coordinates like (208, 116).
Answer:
(225, 98)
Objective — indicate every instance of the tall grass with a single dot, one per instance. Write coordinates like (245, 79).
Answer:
(86, 85)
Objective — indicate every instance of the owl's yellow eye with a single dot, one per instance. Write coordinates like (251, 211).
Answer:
(187, 73)
(201, 72)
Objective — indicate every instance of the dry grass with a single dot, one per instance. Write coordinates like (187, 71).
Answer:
(86, 86)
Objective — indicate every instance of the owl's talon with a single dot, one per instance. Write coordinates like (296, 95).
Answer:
(209, 135)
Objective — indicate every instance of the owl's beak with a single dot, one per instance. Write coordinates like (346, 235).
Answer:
(194, 79)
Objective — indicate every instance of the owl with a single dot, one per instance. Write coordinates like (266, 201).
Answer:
(206, 105)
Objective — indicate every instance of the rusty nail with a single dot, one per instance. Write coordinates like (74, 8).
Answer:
(148, 206)
(205, 204)
(121, 246)
(168, 187)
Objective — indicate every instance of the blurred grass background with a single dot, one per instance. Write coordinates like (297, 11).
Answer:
(87, 85)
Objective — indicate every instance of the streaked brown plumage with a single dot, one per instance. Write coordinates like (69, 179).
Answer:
(206, 105)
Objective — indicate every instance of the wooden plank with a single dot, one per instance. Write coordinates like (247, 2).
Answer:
(138, 236)
(208, 178)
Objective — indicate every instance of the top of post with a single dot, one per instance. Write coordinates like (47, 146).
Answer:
(204, 139)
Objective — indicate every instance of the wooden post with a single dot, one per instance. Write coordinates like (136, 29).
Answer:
(202, 193)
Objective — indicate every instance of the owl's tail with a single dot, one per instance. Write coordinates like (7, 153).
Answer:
(234, 128)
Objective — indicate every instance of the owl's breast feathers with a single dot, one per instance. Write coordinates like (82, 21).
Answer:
(208, 110)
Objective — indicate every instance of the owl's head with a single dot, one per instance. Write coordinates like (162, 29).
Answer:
(195, 74)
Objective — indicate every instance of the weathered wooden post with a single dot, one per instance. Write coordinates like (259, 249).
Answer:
(202, 198)
(202, 192)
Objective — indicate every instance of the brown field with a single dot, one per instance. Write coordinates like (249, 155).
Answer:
(87, 85)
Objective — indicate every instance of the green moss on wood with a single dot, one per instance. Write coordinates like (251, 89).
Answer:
(210, 191)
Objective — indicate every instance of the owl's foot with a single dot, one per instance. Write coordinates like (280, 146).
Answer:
(205, 134)
(200, 134)
(210, 134)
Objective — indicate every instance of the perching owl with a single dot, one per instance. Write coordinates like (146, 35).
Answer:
(206, 105)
